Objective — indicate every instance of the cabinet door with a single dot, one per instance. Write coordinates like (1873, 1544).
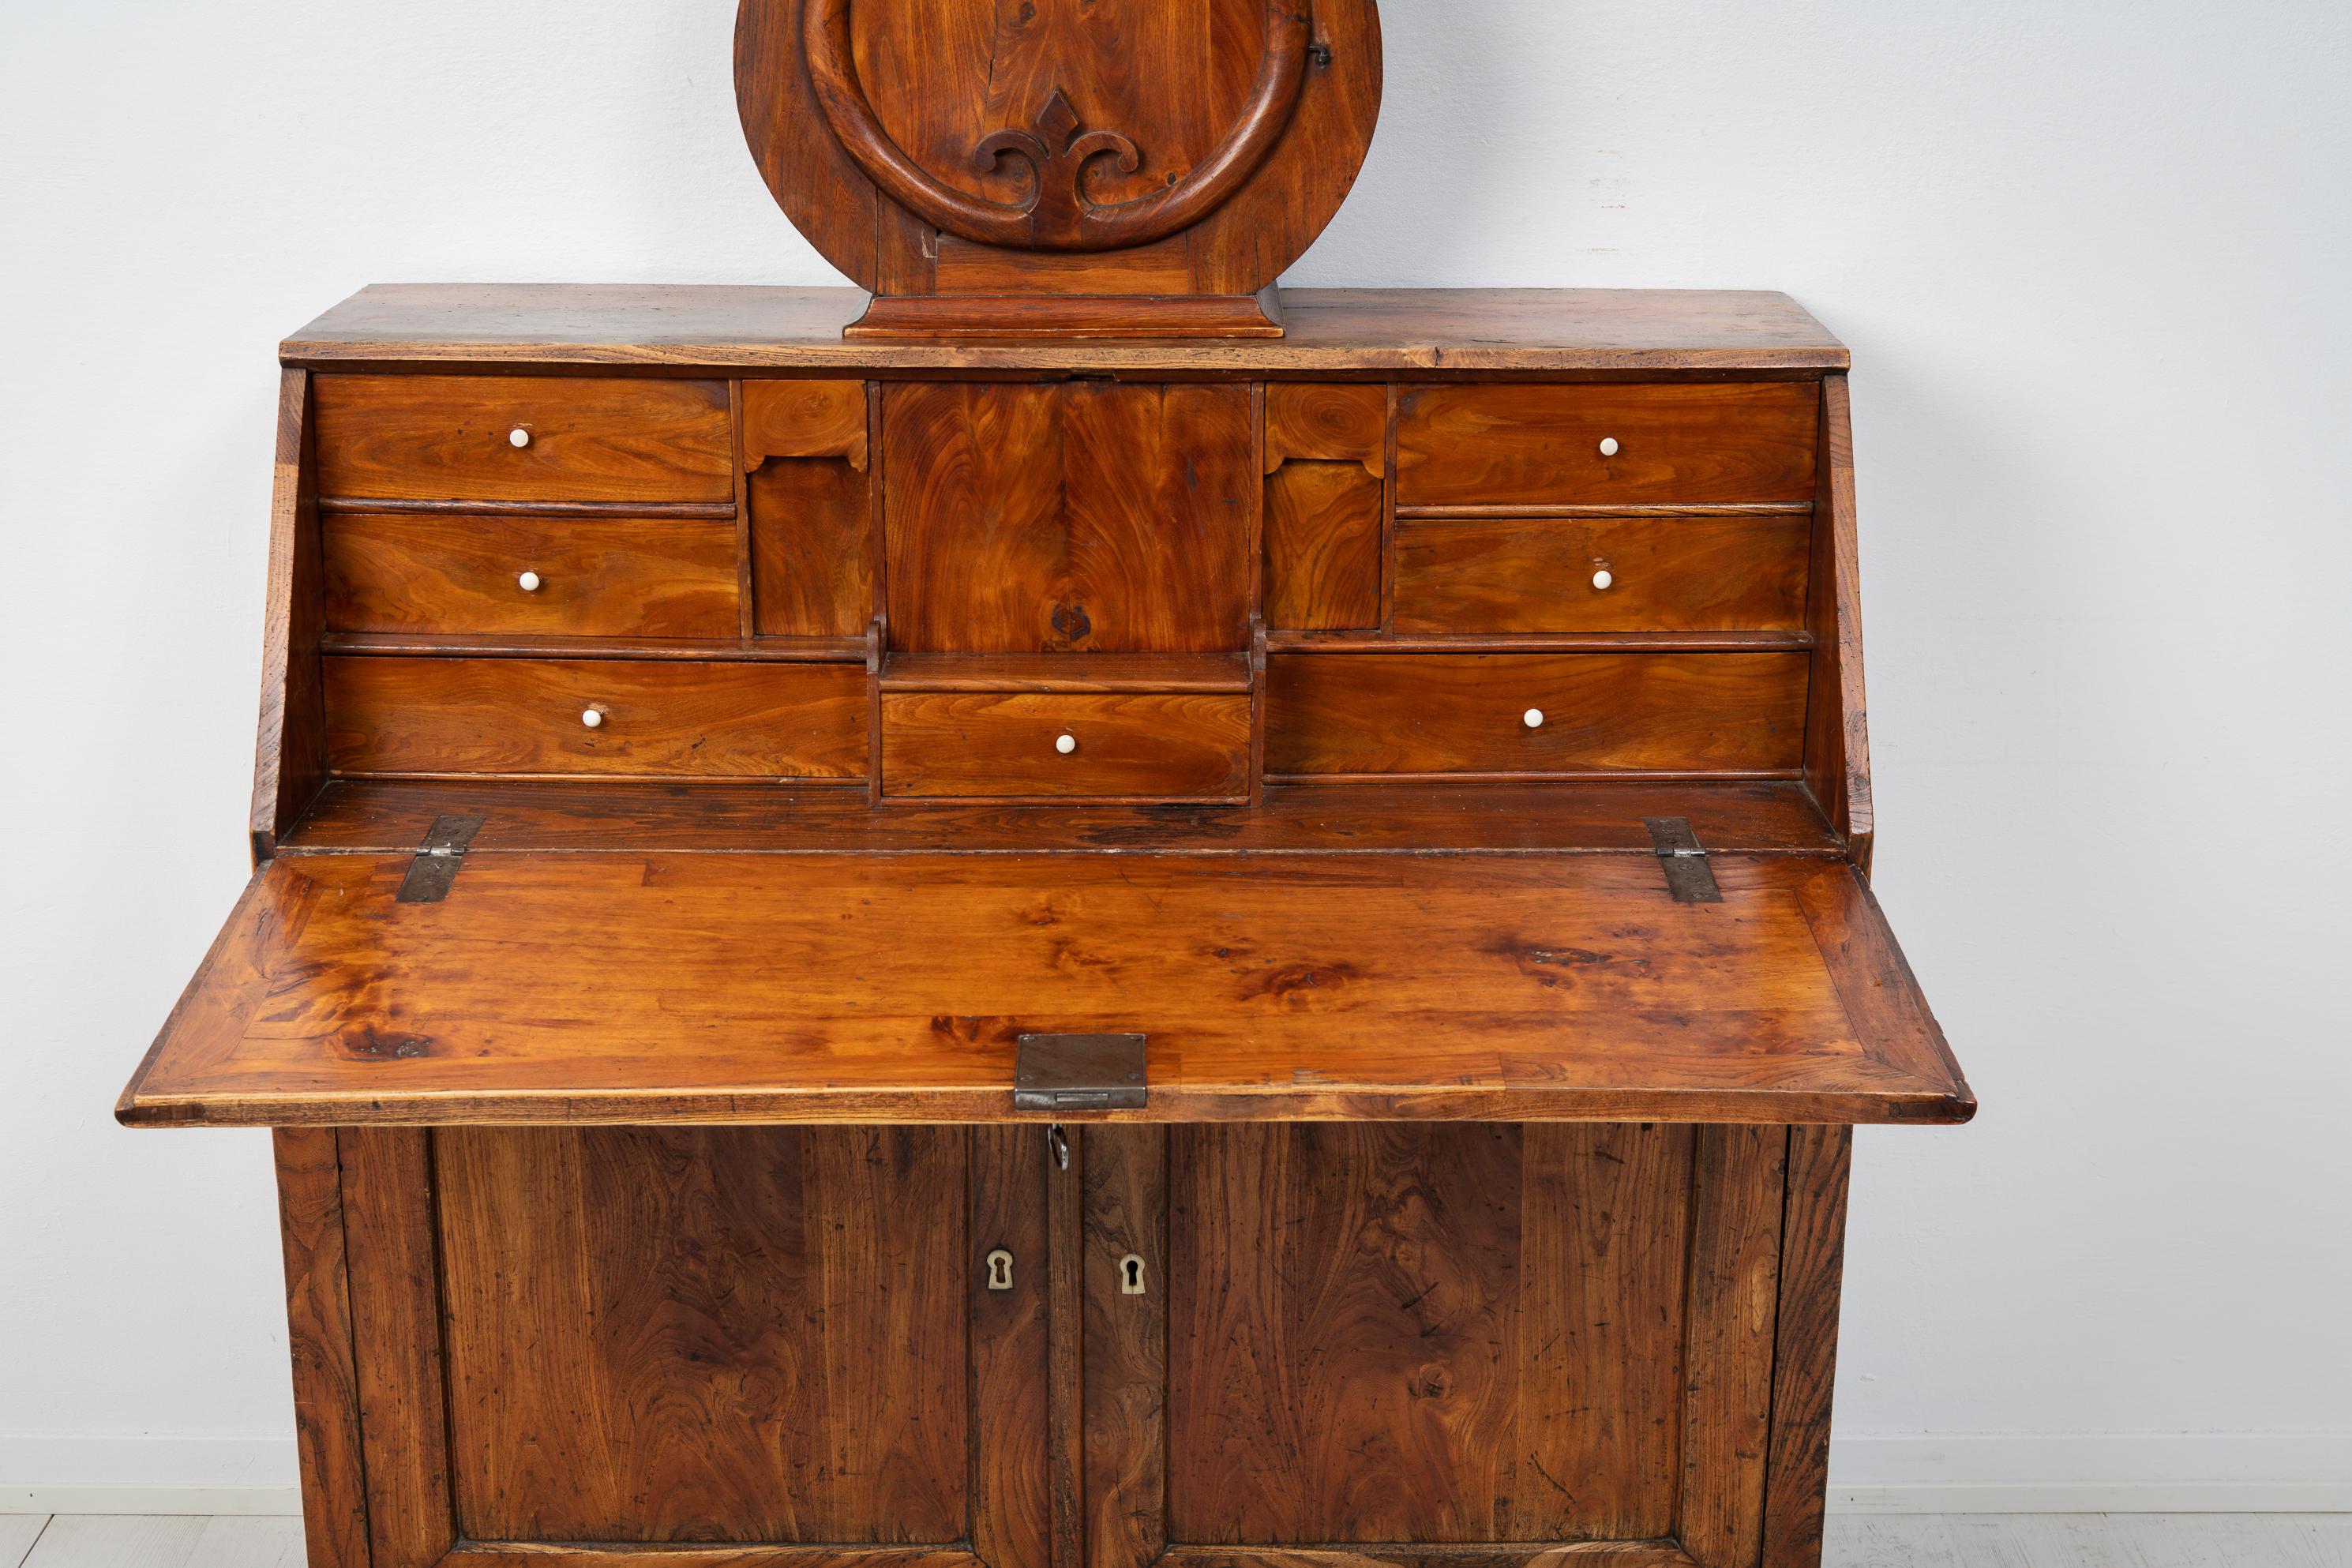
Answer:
(759, 1340)
(1474, 1345)
(1090, 517)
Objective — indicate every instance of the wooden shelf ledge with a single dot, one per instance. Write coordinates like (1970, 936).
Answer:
(1071, 672)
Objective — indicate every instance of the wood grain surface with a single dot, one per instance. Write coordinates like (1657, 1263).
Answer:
(1145, 746)
(1804, 1359)
(1431, 333)
(1500, 575)
(700, 1335)
(318, 1341)
(774, 987)
(1592, 815)
(448, 437)
(289, 743)
(1426, 1335)
(522, 716)
(1083, 518)
(598, 577)
(1465, 713)
(1503, 446)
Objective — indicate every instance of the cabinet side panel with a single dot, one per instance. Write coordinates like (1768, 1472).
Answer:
(1813, 1270)
(1736, 1195)
(319, 1339)
(289, 750)
(388, 1217)
(1837, 730)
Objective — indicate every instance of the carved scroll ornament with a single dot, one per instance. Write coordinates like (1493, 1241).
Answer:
(1057, 213)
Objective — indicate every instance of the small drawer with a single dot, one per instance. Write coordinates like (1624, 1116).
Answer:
(619, 718)
(1678, 443)
(580, 576)
(1534, 715)
(1505, 575)
(524, 439)
(1151, 746)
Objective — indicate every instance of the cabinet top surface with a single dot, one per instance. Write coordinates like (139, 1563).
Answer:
(1330, 331)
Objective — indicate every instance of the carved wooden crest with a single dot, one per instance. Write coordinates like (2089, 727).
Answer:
(1060, 167)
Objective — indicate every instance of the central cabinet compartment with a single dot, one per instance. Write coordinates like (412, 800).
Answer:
(1246, 1337)
(1092, 517)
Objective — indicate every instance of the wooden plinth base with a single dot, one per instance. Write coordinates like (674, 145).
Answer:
(1005, 316)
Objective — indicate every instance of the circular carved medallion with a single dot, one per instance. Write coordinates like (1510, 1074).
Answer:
(1230, 130)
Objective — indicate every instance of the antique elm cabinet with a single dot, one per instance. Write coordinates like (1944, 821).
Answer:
(1061, 911)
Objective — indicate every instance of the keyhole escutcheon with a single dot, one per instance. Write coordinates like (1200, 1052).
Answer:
(1130, 1276)
(1000, 1270)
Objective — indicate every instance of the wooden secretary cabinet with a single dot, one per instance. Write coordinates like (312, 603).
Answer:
(1062, 911)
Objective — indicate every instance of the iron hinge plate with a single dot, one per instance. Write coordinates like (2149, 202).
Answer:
(1688, 877)
(1079, 1072)
(437, 860)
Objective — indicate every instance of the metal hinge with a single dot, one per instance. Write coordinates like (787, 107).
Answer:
(1688, 877)
(437, 860)
(1079, 1072)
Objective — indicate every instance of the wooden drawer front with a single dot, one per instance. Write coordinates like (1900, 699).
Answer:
(451, 437)
(1156, 745)
(1541, 445)
(1603, 712)
(588, 576)
(657, 718)
(1502, 575)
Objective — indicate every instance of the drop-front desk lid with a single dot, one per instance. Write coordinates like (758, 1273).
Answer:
(665, 986)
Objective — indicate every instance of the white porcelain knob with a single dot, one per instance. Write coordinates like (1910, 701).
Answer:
(1603, 578)
(1609, 446)
(1066, 745)
(593, 718)
(517, 437)
(1532, 718)
(528, 582)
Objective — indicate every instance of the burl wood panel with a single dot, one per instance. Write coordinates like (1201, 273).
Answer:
(1426, 1335)
(1088, 516)
(1464, 713)
(1500, 575)
(1171, 746)
(660, 718)
(1678, 442)
(813, 987)
(598, 577)
(677, 1334)
(448, 437)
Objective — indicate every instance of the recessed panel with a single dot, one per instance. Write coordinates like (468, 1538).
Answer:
(670, 1334)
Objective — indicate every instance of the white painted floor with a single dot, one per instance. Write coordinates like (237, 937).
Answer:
(1855, 1540)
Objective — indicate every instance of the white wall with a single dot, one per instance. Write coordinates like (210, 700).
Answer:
(2091, 259)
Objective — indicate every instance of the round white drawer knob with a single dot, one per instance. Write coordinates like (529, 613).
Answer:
(1066, 745)
(528, 582)
(1607, 445)
(593, 718)
(1603, 578)
(1532, 718)
(519, 437)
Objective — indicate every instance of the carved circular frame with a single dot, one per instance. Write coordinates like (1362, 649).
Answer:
(1270, 186)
